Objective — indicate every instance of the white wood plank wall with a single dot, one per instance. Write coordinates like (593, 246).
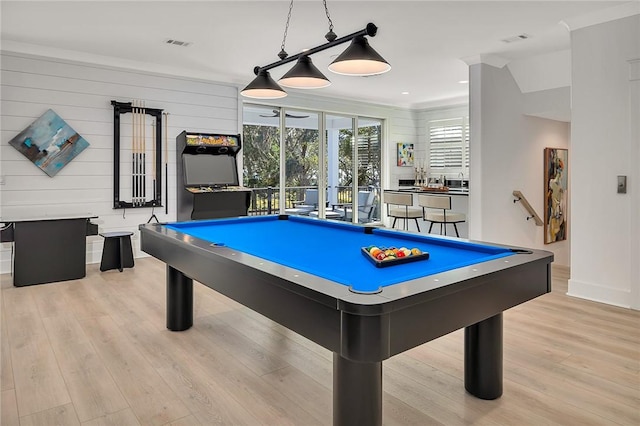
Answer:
(81, 94)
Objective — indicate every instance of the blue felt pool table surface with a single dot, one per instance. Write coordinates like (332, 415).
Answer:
(332, 250)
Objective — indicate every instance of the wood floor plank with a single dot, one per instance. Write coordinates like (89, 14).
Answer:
(199, 388)
(608, 371)
(139, 293)
(578, 335)
(591, 323)
(50, 299)
(399, 413)
(9, 408)
(187, 421)
(521, 398)
(253, 356)
(121, 418)
(452, 388)
(567, 361)
(18, 301)
(149, 397)
(6, 370)
(121, 309)
(593, 400)
(426, 399)
(38, 379)
(63, 415)
(600, 380)
(301, 340)
(260, 331)
(311, 396)
(623, 359)
(93, 391)
(259, 397)
(81, 301)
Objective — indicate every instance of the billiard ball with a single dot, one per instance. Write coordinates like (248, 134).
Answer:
(416, 251)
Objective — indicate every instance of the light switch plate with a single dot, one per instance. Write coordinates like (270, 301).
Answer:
(622, 184)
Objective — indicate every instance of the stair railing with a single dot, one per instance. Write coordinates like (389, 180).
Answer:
(532, 213)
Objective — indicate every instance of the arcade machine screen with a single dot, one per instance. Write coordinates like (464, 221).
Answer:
(210, 170)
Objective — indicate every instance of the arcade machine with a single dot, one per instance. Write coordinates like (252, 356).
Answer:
(207, 174)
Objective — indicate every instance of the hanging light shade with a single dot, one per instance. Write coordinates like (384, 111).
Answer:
(359, 59)
(304, 75)
(263, 87)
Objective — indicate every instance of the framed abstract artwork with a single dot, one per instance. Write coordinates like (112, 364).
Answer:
(555, 194)
(405, 154)
(49, 142)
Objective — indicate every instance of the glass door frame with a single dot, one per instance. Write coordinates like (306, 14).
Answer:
(323, 157)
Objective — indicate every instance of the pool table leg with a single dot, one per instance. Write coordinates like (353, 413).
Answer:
(483, 358)
(179, 300)
(357, 392)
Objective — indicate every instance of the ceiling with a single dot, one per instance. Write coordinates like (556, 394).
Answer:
(424, 41)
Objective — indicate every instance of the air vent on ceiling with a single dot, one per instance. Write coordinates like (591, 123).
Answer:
(518, 37)
(177, 42)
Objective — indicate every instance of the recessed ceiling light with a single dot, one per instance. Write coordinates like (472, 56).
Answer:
(463, 81)
(404, 93)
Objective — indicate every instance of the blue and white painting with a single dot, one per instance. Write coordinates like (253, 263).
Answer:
(49, 142)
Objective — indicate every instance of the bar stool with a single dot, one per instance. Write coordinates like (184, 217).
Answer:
(443, 216)
(117, 252)
(402, 202)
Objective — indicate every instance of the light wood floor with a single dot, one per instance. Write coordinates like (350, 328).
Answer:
(96, 352)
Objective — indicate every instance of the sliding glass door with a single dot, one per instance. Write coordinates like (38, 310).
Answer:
(353, 166)
(301, 162)
(287, 143)
(261, 158)
(368, 166)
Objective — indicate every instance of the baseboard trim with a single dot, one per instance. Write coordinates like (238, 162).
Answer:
(599, 293)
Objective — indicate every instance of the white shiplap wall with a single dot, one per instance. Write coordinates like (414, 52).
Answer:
(81, 94)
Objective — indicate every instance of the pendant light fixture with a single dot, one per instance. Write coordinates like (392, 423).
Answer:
(360, 59)
(304, 75)
(263, 87)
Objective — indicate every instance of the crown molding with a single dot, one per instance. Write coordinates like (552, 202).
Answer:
(601, 16)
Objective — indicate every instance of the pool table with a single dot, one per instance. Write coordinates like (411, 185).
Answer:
(311, 276)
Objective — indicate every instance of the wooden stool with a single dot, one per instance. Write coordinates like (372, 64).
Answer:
(117, 252)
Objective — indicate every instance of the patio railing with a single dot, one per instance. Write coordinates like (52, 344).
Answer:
(266, 200)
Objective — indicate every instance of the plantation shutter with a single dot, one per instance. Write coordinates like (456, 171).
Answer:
(448, 144)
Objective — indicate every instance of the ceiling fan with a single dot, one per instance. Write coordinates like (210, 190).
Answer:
(276, 113)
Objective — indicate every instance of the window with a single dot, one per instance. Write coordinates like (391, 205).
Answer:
(448, 145)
